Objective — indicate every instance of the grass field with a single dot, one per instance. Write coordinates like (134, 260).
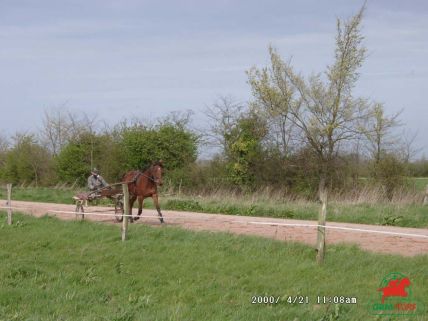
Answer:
(421, 183)
(58, 270)
(407, 215)
(40, 194)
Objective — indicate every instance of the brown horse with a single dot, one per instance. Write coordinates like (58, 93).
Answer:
(144, 184)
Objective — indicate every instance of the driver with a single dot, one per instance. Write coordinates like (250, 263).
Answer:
(96, 181)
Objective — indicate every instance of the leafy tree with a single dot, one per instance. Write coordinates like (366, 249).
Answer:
(72, 163)
(177, 146)
(139, 147)
(76, 159)
(379, 134)
(273, 98)
(324, 110)
(172, 143)
(26, 161)
(4, 148)
(245, 149)
(108, 158)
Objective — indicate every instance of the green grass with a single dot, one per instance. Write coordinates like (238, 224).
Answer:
(40, 194)
(420, 183)
(58, 270)
(406, 215)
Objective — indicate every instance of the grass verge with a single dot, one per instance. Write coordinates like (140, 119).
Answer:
(409, 215)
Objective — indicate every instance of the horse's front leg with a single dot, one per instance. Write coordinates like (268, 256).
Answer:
(156, 201)
(131, 204)
(140, 207)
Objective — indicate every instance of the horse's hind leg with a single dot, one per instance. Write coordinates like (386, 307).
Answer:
(156, 201)
(140, 207)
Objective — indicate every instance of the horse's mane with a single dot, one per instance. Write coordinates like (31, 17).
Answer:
(158, 163)
(149, 167)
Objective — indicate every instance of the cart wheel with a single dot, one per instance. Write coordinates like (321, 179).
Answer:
(79, 210)
(118, 210)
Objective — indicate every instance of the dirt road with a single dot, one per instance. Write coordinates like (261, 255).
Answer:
(406, 245)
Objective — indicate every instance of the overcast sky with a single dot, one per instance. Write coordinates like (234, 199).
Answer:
(125, 58)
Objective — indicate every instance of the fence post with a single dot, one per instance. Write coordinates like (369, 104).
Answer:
(9, 210)
(125, 210)
(426, 196)
(321, 222)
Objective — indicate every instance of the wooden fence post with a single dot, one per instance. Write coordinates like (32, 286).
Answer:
(9, 203)
(126, 211)
(321, 222)
(426, 196)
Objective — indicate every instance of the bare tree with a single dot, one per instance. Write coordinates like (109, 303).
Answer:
(84, 124)
(323, 109)
(4, 143)
(223, 115)
(408, 149)
(55, 132)
(4, 146)
(60, 126)
(81, 123)
(180, 119)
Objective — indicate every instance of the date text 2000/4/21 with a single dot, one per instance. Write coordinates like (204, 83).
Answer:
(297, 299)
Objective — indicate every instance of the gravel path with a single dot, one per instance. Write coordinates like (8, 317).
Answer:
(375, 242)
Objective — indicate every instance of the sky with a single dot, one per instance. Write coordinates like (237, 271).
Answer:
(121, 59)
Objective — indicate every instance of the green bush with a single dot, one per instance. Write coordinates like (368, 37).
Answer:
(390, 172)
(141, 146)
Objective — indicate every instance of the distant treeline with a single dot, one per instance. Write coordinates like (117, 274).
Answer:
(254, 152)
(68, 146)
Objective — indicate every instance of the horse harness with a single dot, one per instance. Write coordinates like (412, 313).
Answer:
(138, 175)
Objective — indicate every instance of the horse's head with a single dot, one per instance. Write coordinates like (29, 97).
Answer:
(157, 171)
(405, 282)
